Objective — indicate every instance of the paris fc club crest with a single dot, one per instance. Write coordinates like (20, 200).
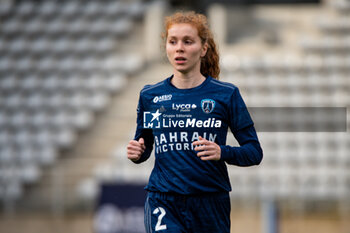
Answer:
(208, 105)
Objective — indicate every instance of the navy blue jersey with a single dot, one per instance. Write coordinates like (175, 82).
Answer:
(171, 119)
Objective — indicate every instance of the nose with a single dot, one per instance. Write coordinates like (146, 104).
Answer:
(179, 47)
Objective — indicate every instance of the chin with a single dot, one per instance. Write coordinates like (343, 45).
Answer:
(182, 71)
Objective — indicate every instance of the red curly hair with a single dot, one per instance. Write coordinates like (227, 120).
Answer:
(210, 62)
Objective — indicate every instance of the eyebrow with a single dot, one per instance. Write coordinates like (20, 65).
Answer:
(184, 38)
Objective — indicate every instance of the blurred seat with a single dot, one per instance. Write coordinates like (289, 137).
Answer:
(115, 82)
(71, 83)
(9, 83)
(44, 137)
(34, 26)
(78, 26)
(30, 83)
(24, 64)
(66, 64)
(40, 118)
(77, 100)
(62, 45)
(18, 46)
(51, 83)
(46, 155)
(89, 64)
(104, 45)
(35, 101)
(40, 46)
(70, 9)
(127, 63)
(5, 8)
(19, 119)
(121, 27)
(84, 46)
(7, 155)
(12, 26)
(81, 119)
(48, 9)
(25, 154)
(64, 138)
(113, 9)
(58, 100)
(46, 64)
(13, 101)
(135, 9)
(29, 173)
(91, 9)
(97, 101)
(88, 189)
(94, 82)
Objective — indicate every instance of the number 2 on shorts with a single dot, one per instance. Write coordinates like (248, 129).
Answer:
(160, 227)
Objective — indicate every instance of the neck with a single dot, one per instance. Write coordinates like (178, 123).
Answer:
(188, 80)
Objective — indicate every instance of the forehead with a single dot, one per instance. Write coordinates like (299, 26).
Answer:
(182, 30)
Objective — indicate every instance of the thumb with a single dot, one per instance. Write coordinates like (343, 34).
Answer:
(142, 141)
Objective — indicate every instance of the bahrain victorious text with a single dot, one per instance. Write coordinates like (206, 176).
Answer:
(179, 141)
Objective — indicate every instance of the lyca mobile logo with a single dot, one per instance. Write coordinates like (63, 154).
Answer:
(162, 98)
(183, 107)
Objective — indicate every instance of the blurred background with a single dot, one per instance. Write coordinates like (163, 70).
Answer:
(70, 75)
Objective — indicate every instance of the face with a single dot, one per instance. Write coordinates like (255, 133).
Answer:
(184, 48)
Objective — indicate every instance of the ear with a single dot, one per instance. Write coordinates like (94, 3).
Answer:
(204, 49)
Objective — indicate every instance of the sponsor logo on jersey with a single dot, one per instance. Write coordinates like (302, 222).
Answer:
(162, 98)
(208, 105)
(170, 141)
(156, 121)
(183, 107)
(192, 123)
(151, 120)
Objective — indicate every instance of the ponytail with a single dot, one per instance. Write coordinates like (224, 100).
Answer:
(210, 62)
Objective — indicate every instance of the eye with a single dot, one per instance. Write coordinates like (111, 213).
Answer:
(172, 42)
(188, 42)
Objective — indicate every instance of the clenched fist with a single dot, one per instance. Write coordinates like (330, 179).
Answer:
(135, 149)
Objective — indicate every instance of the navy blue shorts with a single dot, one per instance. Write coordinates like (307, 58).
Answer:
(170, 213)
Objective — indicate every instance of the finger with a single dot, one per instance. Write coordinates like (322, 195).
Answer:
(209, 146)
(134, 148)
(201, 147)
(200, 142)
(211, 157)
(142, 143)
(134, 142)
(137, 144)
(134, 153)
(134, 157)
(206, 153)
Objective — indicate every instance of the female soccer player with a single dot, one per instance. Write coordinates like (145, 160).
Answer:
(186, 118)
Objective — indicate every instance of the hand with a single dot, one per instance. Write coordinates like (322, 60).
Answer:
(135, 149)
(208, 150)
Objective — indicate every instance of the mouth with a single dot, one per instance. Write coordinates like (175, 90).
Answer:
(180, 60)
